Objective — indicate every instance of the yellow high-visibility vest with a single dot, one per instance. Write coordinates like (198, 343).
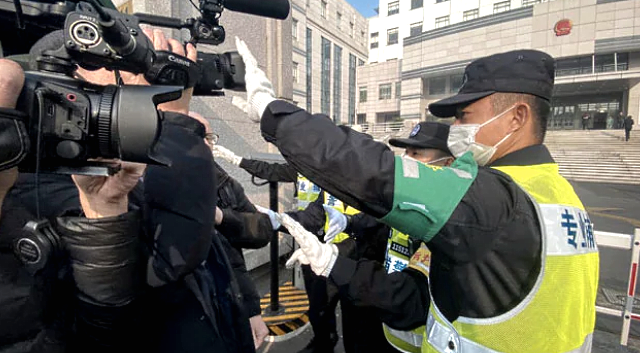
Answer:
(558, 315)
(398, 257)
(307, 192)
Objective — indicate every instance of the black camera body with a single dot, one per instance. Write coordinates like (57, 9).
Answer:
(72, 123)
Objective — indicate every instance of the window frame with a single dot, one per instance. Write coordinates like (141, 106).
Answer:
(393, 8)
(390, 33)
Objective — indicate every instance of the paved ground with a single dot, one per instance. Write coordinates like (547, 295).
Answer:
(613, 208)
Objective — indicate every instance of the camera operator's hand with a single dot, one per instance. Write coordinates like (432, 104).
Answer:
(259, 89)
(259, 330)
(107, 196)
(160, 42)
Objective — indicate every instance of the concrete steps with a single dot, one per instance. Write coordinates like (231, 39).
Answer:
(596, 156)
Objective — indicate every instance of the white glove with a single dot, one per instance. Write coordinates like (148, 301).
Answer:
(273, 217)
(259, 89)
(337, 223)
(226, 154)
(321, 257)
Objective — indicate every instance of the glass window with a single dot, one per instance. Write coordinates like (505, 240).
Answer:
(502, 6)
(605, 63)
(392, 36)
(352, 88)
(360, 62)
(470, 15)
(394, 8)
(351, 29)
(442, 21)
(622, 61)
(456, 83)
(338, 19)
(362, 118)
(363, 94)
(337, 84)
(384, 91)
(398, 88)
(374, 40)
(295, 71)
(325, 77)
(323, 9)
(439, 1)
(530, 2)
(415, 4)
(294, 29)
(415, 29)
(309, 72)
(574, 66)
(437, 85)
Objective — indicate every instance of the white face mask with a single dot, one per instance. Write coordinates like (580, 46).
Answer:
(405, 155)
(462, 139)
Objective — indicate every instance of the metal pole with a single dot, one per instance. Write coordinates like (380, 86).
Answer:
(273, 205)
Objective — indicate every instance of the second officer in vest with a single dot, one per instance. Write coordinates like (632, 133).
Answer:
(514, 264)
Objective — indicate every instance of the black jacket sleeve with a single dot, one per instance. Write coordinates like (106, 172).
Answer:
(107, 265)
(250, 296)
(317, 148)
(311, 218)
(400, 298)
(242, 224)
(397, 298)
(275, 172)
(180, 200)
(249, 230)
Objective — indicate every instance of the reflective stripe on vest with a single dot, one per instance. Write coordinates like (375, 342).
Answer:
(404, 341)
(558, 315)
(445, 340)
(397, 259)
(332, 201)
(307, 192)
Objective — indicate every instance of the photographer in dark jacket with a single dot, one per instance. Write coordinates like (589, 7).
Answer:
(195, 298)
(240, 226)
(99, 245)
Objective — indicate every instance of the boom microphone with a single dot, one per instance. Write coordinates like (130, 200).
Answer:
(278, 9)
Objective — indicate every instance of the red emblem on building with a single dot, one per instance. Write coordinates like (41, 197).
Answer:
(563, 27)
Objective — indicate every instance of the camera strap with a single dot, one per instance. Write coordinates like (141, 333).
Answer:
(172, 69)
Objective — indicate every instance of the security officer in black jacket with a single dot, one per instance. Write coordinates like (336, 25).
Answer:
(491, 274)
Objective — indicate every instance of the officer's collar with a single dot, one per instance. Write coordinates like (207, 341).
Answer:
(532, 155)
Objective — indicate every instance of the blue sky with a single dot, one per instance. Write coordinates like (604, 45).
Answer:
(365, 6)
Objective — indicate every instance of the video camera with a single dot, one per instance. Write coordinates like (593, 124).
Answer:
(72, 121)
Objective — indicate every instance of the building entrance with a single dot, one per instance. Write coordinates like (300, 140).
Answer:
(603, 110)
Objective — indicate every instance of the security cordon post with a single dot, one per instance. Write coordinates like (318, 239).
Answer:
(285, 308)
(273, 205)
(627, 242)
